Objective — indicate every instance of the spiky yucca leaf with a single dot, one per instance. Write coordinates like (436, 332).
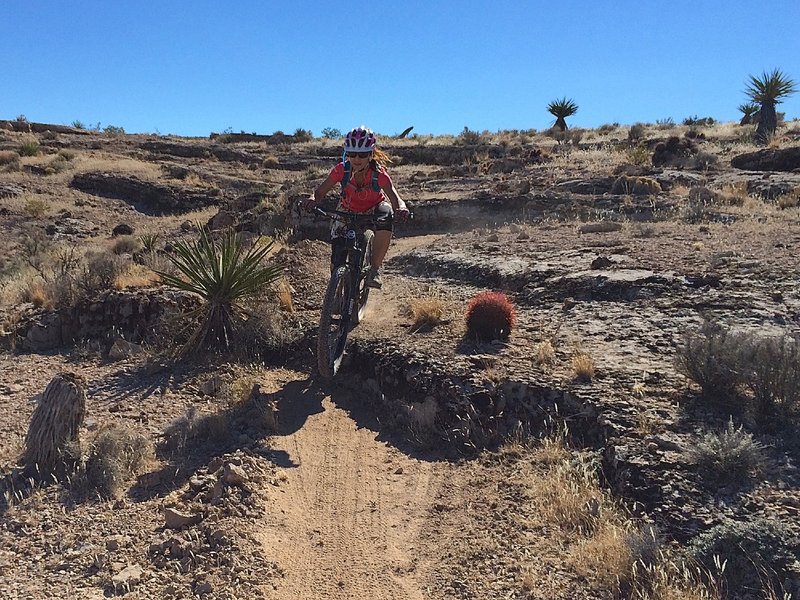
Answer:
(769, 90)
(222, 273)
(561, 109)
(770, 87)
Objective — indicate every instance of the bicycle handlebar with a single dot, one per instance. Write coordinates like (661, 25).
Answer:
(349, 217)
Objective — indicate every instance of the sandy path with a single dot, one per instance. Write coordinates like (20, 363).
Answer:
(345, 523)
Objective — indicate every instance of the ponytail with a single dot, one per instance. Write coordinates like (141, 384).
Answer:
(380, 159)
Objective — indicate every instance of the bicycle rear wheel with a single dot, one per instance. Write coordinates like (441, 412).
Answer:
(333, 330)
(363, 288)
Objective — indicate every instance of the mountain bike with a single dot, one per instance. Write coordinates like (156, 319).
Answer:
(347, 293)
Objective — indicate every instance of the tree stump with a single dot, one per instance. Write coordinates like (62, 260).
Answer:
(52, 446)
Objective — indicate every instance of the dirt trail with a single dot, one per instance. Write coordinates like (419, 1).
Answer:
(346, 521)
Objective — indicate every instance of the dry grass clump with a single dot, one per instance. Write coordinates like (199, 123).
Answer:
(545, 353)
(618, 556)
(126, 244)
(136, 276)
(426, 312)
(582, 366)
(116, 455)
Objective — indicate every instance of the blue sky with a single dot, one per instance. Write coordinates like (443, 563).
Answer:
(193, 67)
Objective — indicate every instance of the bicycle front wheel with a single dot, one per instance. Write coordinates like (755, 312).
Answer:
(363, 288)
(334, 323)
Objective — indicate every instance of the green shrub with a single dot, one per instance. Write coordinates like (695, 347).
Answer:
(223, 274)
(29, 148)
(330, 133)
(728, 454)
(747, 552)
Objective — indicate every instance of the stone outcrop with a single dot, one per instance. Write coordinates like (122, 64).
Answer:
(127, 314)
(768, 159)
(146, 196)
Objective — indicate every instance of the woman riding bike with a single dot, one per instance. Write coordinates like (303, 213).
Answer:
(367, 188)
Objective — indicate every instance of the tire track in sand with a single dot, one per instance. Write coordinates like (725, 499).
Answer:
(345, 523)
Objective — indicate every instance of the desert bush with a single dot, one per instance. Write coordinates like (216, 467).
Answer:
(57, 165)
(696, 121)
(469, 137)
(638, 155)
(99, 273)
(126, 244)
(196, 428)
(771, 370)
(113, 131)
(709, 356)
(331, 133)
(747, 554)
(729, 454)
(636, 186)
(636, 132)
(9, 161)
(302, 135)
(29, 148)
(35, 206)
(116, 455)
(490, 316)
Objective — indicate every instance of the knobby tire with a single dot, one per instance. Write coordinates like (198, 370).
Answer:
(332, 336)
(363, 288)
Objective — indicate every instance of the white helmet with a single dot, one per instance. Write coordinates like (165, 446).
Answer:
(359, 139)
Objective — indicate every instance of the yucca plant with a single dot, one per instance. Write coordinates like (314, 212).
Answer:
(149, 242)
(767, 91)
(561, 109)
(222, 273)
(749, 112)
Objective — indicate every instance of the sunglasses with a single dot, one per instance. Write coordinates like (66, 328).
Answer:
(359, 154)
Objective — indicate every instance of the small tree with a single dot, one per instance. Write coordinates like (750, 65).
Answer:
(749, 113)
(767, 91)
(561, 109)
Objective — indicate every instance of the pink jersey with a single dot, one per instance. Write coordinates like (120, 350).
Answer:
(361, 198)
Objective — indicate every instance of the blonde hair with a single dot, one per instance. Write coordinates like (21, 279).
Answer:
(380, 158)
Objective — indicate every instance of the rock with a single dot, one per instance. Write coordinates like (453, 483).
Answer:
(175, 519)
(122, 349)
(768, 159)
(122, 229)
(128, 577)
(235, 475)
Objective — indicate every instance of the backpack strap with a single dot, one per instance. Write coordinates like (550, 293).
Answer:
(375, 185)
(346, 179)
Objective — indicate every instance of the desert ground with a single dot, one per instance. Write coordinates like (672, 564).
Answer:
(635, 436)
